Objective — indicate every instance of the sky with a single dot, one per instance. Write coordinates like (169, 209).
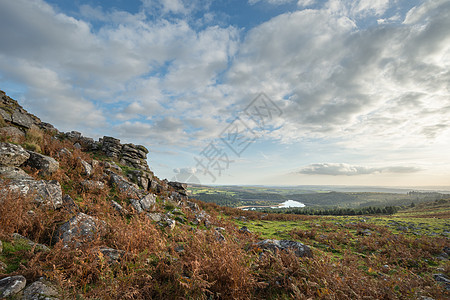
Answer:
(257, 92)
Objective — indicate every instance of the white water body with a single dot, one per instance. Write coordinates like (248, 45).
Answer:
(289, 203)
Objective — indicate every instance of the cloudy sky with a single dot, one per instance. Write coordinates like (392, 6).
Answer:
(272, 92)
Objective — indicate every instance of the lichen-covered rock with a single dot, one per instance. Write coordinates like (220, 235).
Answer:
(124, 186)
(156, 217)
(92, 185)
(45, 164)
(14, 173)
(80, 228)
(12, 285)
(298, 248)
(46, 192)
(22, 119)
(148, 201)
(5, 115)
(12, 155)
(87, 168)
(40, 290)
(111, 146)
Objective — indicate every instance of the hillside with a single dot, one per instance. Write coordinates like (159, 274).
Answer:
(86, 219)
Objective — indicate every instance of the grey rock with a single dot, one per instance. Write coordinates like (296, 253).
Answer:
(111, 255)
(80, 228)
(45, 164)
(119, 208)
(73, 135)
(14, 173)
(69, 204)
(219, 236)
(22, 119)
(111, 166)
(13, 133)
(46, 192)
(124, 186)
(40, 290)
(179, 187)
(299, 249)
(136, 204)
(12, 155)
(148, 201)
(170, 223)
(87, 168)
(12, 285)
(92, 185)
(64, 153)
(192, 205)
(245, 230)
(5, 115)
(442, 279)
(23, 240)
(3, 266)
(156, 217)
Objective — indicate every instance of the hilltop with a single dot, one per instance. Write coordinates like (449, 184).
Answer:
(86, 219)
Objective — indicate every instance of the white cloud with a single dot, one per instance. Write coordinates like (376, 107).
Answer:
(305, 3)
(338, 169)
(272, 2)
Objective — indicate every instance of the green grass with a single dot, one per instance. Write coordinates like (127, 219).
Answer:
(14, 254)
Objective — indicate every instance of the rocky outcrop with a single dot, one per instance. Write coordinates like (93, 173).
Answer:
(80, 228)
(45, 164)
(134, 156)
(22, 119)
(47, 192)
(14, 173)
(111, 146)
(40, 290)
(299, 249)
(12, 155)
(179, 187)
(12, 112)
(12, 285)
(124, 186)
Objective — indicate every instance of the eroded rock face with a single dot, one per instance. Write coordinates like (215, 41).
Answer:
(10, 286)
(12, 155)
(80, 228)
(298, 248)
(45, 164)
(111, 146)
(46, 192)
